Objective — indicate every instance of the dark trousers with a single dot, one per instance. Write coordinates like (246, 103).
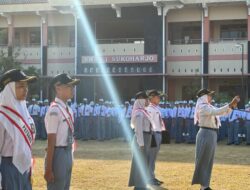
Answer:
(38, 126)
(233, 130)
(179, 130)
(62, 169)
(12, 179)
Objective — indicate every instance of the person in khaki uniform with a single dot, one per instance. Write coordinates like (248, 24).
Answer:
(59, 122)
(207, 117)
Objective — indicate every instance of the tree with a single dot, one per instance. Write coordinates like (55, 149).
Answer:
(8, 62)
(11, 62)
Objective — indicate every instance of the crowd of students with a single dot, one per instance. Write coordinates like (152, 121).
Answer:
(102, 121)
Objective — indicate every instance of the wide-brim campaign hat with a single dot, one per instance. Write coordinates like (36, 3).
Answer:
(204, 91)
(141, 95)
(15, 75)
(64, 79)
(152, 93)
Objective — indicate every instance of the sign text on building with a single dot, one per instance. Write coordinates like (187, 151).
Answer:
(120, 59)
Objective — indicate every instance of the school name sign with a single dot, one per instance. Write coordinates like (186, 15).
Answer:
(121, 59)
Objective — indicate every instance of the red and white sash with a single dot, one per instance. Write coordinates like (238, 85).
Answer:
(19, 123)
(163, 128)
(143, 111)
(66, 114)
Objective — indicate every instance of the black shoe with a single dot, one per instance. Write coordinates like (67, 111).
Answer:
(154, 182)
(140, 188)
(208, 188)
(161, 182)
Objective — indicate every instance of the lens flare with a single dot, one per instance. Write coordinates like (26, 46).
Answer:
(85, 27)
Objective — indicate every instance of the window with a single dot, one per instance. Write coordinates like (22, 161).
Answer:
(233, 31)
(35, 37)
(3, 37)
(17, 38)
(185, 33)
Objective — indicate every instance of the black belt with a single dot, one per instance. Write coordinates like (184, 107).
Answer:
(157, 131)
(61, 146)
(7, 158)
(213, 129)
(147, 132)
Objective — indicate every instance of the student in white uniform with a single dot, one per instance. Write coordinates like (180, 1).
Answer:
(43, 112)
(34, 110)
(157, 126)
(140, 122)
(59, 122)
(17, 131)
(207, 117)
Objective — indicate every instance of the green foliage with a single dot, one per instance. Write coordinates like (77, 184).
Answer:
(8, 62)
(190, 92)
(222, 97)
(32, 71)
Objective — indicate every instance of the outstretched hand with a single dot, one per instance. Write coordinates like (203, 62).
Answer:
(234, 102)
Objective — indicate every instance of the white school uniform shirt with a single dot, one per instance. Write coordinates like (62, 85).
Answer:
(187, 112)
(113, 111)
(163, 112)
(91, 110)
(129, 111)
(44, 110)
(126, 112)
(108, 112)
(83, 109)
(155, 116)
(181, 112)
(247, 115)
(174, 112)
(191, 115)
(96, 110)
(169, 113)
(234, 116)
(55, 123)
(34, 110)
(88, 110)
(208, 115)
(73, 109)
(103, 109)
